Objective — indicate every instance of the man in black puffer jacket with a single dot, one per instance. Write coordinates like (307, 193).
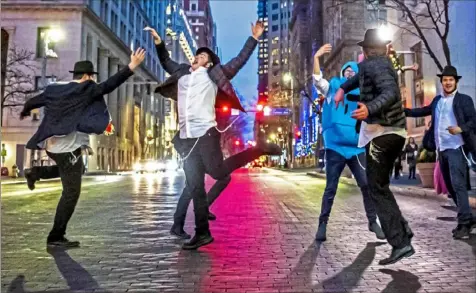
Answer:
(383, 134)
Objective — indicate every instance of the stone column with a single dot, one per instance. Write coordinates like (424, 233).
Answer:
(130, 112)
(113, 96)
(122, 111)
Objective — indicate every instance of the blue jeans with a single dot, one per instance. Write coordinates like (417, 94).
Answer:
(335, 164)
(455, 174)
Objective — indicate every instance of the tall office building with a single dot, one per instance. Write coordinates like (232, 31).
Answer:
(103, 32)
(200, 16)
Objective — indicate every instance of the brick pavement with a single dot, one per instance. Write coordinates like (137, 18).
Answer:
(264, 242)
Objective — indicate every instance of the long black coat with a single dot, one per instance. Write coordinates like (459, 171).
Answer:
(73, 107)
(219, 74)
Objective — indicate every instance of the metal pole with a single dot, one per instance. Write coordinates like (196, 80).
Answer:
(292, 122)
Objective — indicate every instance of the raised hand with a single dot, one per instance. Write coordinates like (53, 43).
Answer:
(257, 29)
(327, 48)
(154, 34)
(137, 58)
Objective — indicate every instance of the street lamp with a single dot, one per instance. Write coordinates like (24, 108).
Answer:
(51, 35)
(385, 33)
(287, 77)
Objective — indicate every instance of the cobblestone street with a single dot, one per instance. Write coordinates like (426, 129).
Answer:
(264, 241)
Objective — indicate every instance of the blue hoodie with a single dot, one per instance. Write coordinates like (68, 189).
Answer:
(338, 127)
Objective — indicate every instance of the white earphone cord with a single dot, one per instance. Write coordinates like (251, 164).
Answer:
(221, 131)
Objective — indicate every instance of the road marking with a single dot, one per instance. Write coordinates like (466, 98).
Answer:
(288, 212)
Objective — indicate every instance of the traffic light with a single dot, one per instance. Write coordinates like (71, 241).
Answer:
(225, 109)
(259, 107)
(237, 142)
(298, 134)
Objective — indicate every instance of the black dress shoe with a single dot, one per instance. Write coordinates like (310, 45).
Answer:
(30, 179)
(179, 232)
(198, 241)
(211, 216)
(462, 232)
(63, 242)
(398, 254)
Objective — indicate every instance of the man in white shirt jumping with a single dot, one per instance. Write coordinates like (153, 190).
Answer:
(199, 88)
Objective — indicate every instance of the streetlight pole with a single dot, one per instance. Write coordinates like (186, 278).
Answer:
(292, 122)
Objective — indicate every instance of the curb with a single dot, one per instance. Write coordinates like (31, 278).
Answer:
(401, 190)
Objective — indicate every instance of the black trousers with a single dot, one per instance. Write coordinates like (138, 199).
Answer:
(382, 152)
(186, 198)
(71, 174)
(207, 158)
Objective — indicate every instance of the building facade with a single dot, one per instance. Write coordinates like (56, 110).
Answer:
(103, 32)
(200, 17)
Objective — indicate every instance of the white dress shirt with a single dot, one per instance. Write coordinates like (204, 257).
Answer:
(322, 85)
(196, 103)
(66, 143)
(445, 117)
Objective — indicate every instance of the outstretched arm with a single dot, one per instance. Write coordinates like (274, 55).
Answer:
(167, 63)
(232, 67)
(319, 82)
(33, 103)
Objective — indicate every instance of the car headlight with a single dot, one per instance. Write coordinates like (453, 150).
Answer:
(171, 165)
(151, 166)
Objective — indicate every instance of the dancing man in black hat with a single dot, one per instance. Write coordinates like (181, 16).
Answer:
(453, 135)
(199, 88)
(383, 134)
(70, 115)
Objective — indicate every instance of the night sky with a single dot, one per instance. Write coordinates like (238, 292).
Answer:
(233, 20)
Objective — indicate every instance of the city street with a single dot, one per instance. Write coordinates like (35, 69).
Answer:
(264, 240)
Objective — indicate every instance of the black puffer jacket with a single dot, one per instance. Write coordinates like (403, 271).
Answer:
(379, 91)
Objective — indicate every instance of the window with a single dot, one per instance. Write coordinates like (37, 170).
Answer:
(275, 28)
(275, 16)
(106, 13)
(131, 13)
(194, 7)
(40, 44)
(274, 52)
(420, 102)
(123, 31)
(197, 29)
(38, 82)
(196, 38)
(418, 59)
(401, 60)
(113, 21)
(275, 6)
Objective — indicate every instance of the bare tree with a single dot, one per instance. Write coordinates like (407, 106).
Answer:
(420, 19)
(19, 78)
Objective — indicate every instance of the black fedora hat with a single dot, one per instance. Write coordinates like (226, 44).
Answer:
(449, 71)
(372, 39)
(85, 67)
(213, 56)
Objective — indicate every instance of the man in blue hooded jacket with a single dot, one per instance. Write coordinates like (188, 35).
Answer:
(340, 141)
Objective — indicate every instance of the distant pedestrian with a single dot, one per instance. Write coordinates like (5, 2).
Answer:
(411, 151)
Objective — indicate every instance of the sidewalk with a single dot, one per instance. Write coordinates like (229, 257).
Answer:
(21, 180)
(404, 186)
